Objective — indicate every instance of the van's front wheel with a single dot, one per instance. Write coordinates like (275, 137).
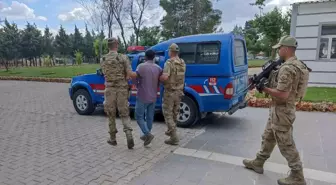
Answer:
(188, 113)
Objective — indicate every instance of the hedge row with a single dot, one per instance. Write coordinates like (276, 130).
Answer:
(302, 106)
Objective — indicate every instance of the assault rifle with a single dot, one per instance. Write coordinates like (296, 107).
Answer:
(264, 74)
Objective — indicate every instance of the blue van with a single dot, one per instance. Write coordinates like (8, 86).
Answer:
(216, 76)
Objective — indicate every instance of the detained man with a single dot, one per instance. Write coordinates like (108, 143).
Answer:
(148, 74)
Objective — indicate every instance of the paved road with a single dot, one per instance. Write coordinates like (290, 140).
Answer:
(215, 157)
(44, 141)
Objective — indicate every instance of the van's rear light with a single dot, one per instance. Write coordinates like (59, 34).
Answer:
(228, 91)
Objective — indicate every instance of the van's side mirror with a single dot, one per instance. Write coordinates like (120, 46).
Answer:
(99, 72)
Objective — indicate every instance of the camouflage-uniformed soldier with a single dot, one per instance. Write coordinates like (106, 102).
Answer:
(285, 85)
(173, 76)
(117, 70)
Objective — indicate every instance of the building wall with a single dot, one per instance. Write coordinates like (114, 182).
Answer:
(307, 20)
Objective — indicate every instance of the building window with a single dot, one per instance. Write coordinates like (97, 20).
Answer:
(327, 48)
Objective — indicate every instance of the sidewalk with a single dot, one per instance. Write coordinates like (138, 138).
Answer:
(215, 157)
(184, 170)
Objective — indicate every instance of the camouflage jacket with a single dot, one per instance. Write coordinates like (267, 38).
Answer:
(115, 67)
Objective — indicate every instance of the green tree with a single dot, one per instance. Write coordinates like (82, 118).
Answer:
(88, 51)
(252, 37)
(187, 17)
(272, 25)
(79, 57)
(122, 48)
(287, 21)
(31, 43)
(238, 30)
(77, 41)
(47, 43)
(10, 43)
(149, 36)
(63, 43)
(97, 45)
(132, 41)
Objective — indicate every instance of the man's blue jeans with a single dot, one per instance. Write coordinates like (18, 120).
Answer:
(143, 110)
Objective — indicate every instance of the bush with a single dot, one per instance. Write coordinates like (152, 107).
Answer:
(47, 61)
(79, 57)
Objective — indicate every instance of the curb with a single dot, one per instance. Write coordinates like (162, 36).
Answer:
(36, 79)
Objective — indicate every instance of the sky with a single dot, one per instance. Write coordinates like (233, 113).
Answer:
(68, 13)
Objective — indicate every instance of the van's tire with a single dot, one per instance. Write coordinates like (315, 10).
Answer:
(83, 103)
(188, 114)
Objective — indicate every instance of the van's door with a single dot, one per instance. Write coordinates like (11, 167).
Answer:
(240, 69)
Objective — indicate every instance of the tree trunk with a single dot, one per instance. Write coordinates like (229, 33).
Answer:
(26, 62)
(273, 54)
(6, 64)
(40, 61)
(100, 47)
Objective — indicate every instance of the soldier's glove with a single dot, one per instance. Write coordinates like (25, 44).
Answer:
(262, 84)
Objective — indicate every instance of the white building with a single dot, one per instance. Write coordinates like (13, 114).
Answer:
(314, 26)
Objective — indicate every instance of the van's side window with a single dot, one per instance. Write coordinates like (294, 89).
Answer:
(199, 53)
(207, 53)
(187, 52)
(239, 53)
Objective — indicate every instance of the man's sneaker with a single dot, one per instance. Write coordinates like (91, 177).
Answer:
(148, 139)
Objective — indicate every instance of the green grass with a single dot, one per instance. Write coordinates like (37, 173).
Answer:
(51, 72)
(316, 94)
(256, 63)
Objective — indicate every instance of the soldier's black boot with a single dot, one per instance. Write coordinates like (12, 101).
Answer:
(256, 165)
(130, 141)
(295, 178)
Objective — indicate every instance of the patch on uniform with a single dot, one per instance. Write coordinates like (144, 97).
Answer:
(284, 78)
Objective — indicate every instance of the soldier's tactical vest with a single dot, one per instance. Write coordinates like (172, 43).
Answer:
(114, 70)
(302, 78)
(177, 75)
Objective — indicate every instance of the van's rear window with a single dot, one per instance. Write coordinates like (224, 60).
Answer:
(200, 53)
(239, 53)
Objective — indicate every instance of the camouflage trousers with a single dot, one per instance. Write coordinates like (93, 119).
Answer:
(170, 108)
(117, 98)
(276, 133)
